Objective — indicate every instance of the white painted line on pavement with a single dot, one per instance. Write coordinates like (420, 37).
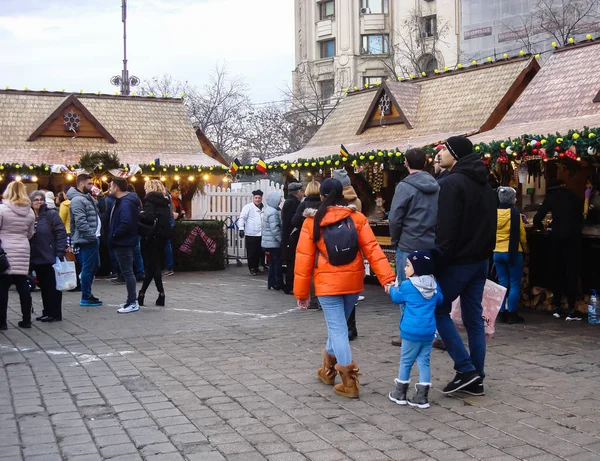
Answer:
(238, 314)
(83, 359)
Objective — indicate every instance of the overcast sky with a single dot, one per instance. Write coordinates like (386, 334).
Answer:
(77, 44)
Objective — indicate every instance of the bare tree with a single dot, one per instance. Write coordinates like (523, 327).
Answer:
(311, 99)
(562, 19)
(218, 109)
(415, 44)
(522, 29)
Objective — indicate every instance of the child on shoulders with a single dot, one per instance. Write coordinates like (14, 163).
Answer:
(420, 294)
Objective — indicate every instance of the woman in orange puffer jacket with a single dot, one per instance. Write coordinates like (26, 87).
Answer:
(337, 287)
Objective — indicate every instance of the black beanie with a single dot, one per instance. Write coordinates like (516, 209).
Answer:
(257, 192)
(331, 185)
(459, 146)
(422, 262)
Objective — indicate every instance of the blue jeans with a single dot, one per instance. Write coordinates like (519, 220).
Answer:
(90, 262)
(275, 272)
(125, 258)
(419, 351)
(138, 262)
(468, 282)
(169, 256)
(509, 276)
(337, 309)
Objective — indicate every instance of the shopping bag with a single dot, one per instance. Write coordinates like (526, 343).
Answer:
(493, 297)
(66, 276)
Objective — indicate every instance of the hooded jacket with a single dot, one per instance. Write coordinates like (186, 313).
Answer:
(420, 296)
(567, 212)
(85, 215)
(467, 218)
(413, 214)
(156, 207)
(16, 228)
(350, 196)
(503, 232)
(123, 222)
(50, 239)
(287, 214)
(271, 222)
(63, 211)
(333, 280)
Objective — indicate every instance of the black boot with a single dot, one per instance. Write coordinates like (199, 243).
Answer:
(160, 301)
(513, 318)
(503, 316)
(141, 296)
(421, 398)
(352, 331)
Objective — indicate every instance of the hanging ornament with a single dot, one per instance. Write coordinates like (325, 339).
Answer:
(591, 150)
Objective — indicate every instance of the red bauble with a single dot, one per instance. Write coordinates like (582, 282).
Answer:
(534, 151)
(502, 151)
(557, 148)
(561, 155)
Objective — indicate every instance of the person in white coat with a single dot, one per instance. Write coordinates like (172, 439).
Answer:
(250, 228)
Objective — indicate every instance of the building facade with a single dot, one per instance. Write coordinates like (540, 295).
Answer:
(346, 43)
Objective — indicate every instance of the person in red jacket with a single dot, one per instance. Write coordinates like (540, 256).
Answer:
(336, 286)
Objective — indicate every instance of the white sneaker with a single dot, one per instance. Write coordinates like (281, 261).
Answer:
(573, 318)
(361, 298)
(556, 315)
(126, 308)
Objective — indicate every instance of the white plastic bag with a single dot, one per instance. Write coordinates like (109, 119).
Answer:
(66, 276)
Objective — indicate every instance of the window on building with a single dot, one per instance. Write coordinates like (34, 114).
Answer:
(373, 80)
(428, 63)
(375, 44)
(374, 6)
(327, 88)
(327, 48)
(428, 26)
(327, 9)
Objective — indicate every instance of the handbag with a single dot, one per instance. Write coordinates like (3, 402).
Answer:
(4, 265)
(147, 231)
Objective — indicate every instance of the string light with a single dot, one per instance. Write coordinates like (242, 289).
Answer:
(163, 179)
(205, 177)
(104, 178)
(225, 179)
(176, 178)
(190, 178)
(18, 178)
(34, 178)
(146, 178)
(133, 179)
(69, 177)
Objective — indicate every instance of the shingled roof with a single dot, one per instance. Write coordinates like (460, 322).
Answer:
(138, 129)
(560, 98)
(453, 103)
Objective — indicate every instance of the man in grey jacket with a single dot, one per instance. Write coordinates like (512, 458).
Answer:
(413, 214)
(85, 232)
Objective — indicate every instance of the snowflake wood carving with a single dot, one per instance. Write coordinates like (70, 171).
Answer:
(72, 121)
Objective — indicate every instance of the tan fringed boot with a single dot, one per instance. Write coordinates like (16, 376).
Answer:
(327, 373)
(350, 385)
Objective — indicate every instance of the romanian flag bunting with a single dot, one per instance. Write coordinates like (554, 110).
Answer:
(343, 151)
(261, 166)
(235, 165)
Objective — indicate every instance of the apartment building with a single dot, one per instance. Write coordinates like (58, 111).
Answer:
(347, 43)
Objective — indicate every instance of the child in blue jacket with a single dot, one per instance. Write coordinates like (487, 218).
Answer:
(420, 294)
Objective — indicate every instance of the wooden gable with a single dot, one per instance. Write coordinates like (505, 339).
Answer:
(71, 118)
(384, 111)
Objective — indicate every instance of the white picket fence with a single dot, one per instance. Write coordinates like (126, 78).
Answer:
(226, 204)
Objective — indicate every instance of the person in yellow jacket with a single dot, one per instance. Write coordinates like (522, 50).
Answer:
(63, 210)
(511, 241)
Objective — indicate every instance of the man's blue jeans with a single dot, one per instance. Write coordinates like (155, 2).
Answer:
(509, 276)
(138, 262)
(419, 351)
(90, 262)
(468, 282)
(337, 309)
(125, 258)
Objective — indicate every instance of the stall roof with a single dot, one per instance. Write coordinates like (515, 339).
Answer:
(139, 129)
(429, 110)
(560, 98)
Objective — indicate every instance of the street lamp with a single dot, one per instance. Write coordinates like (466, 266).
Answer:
(124, 80)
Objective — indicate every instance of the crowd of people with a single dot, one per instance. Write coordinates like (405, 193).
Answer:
(447, 229)
(38, 230)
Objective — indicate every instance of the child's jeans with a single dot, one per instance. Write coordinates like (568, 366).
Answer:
(419, 351)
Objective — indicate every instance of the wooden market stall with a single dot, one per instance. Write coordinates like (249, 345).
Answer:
(552, 131)
(377, 124)
(46, 138)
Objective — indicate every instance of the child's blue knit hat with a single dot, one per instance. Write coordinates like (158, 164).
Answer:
(422, 262)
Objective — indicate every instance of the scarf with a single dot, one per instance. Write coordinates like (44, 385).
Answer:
(514, 233)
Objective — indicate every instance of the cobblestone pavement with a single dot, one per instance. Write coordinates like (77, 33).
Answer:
(227, 371)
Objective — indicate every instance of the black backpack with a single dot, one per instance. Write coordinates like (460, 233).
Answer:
(341, 241)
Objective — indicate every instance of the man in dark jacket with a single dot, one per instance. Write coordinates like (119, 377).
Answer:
(413, 214)
(288, 246)
(123, 237)
(567, 212)
(465, 240)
